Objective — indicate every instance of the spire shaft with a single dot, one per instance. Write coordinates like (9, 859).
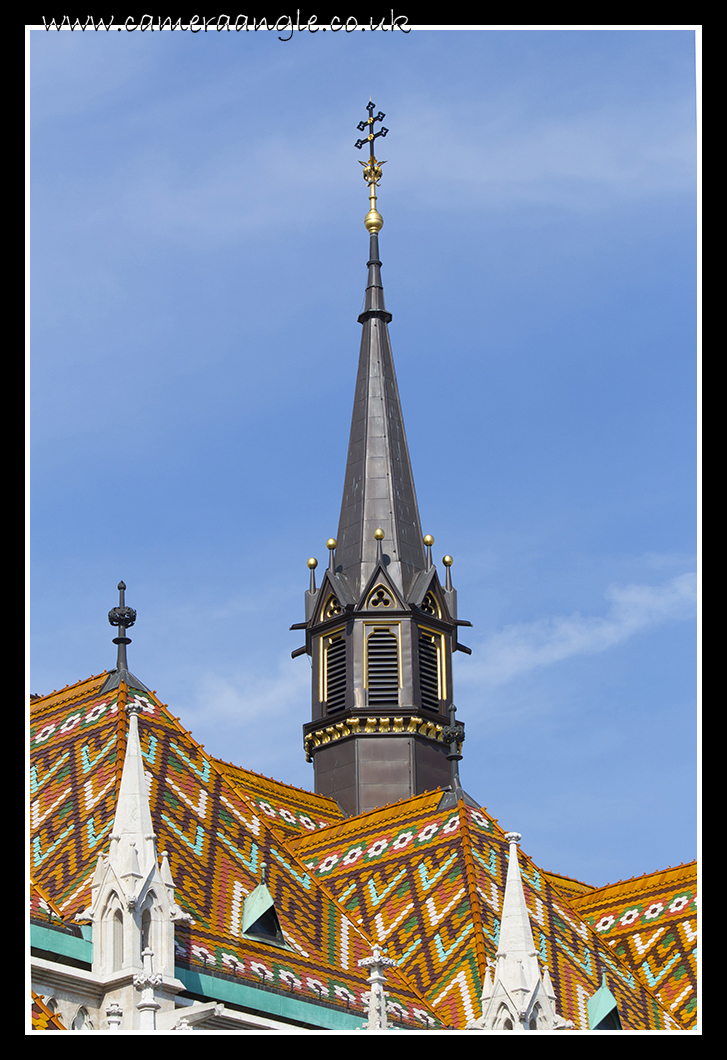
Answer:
(379, 484)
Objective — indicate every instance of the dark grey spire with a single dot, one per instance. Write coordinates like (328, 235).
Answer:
(380, 629)
(124, 618)
(379, 486)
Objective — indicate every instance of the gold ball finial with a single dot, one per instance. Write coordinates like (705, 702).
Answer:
(331, 543)
(379, 534)
(312, 563)
(428, 539)
(447, 561)
(373, 221)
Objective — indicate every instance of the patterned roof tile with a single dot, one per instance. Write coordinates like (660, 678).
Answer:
(650, 922)
(426, 884)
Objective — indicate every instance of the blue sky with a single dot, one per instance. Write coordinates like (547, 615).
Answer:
(197, 266)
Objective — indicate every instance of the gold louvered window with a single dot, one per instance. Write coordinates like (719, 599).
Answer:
(429, 671)
(335, 672)
(382, 668)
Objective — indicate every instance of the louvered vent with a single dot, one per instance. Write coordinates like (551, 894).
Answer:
(336, 674)
(383, 668)
(429, 671)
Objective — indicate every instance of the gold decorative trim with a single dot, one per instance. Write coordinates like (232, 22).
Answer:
(373, 727)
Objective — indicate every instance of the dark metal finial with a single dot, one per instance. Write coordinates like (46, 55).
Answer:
(454, 735)
(124, 617)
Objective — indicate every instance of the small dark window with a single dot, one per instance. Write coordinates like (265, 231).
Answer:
(267, 926)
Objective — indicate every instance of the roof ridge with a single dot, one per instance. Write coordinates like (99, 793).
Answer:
(300, 840)
(37, 701)
(472, 893)
(600, 947)
(54, 908)
(571, 879)
(279, 783)
(644, 876)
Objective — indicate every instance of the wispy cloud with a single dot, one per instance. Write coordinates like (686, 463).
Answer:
(518, 649)
(246, 696)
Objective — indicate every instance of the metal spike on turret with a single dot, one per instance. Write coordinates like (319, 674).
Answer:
(123, 618)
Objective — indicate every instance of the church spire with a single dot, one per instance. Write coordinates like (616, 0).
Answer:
(380, 627)
(379, 486)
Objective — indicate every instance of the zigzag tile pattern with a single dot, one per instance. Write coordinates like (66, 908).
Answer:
(293, 811)
(430, 885)
(400, 873)
(574, 953)
(425, 883)
(217, 840)
(650, 923)
(76, 745)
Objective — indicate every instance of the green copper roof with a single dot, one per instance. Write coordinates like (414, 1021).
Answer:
(602, 1006)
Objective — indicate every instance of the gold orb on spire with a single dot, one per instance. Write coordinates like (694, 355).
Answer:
(331, 543)
(447, 561)
(379, 534)
(312, 563)
(428, 539)
(373, 220)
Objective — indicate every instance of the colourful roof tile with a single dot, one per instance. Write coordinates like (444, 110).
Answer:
(42, 1019)
(217, 838)
(650, 922)
(429, 885)
(425, 883)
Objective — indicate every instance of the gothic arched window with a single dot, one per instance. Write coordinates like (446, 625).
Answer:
(117, 940)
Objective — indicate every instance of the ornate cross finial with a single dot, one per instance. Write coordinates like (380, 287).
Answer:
(372, 168)
(369, 122)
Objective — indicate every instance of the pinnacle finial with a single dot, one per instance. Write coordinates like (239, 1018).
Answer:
(429, 541)
(379, 535)
(454, 735)
(124, 617)
(448, 561)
